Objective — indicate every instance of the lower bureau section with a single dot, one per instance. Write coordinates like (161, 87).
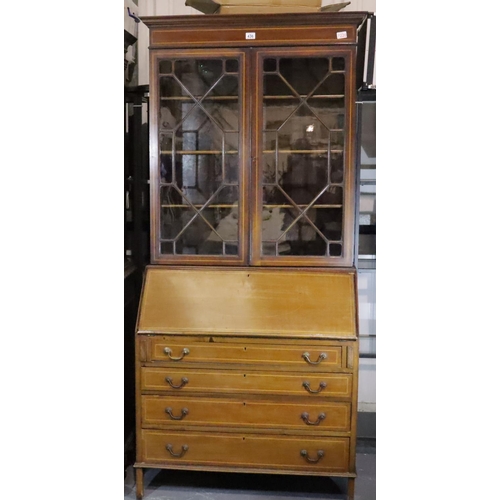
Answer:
(294, 454)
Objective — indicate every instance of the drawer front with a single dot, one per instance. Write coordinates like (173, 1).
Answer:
(181, 381)
(259, 414)
(306, 357)
(246, 451)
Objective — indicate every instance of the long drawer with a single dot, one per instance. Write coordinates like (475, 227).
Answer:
(246, 450)
(308, 416)
(306, 357)
(179, 380)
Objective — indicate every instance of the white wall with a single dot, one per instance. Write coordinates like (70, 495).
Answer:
(367, 330)
(155, 8)
(359, 5)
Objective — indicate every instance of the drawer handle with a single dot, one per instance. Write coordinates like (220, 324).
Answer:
(307, 387)
(168, 352)
(305, 418)
(184, 412)
(185, 448)
(184, 381)
(321, 357)
(320, 454)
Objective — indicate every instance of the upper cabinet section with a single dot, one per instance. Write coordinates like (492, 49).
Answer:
(252, 142)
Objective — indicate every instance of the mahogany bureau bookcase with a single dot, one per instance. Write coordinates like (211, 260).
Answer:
(247, 334)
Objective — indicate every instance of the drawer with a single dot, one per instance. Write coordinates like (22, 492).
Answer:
(246, 451)
(306, 357)
(305, 415)
(232, 382)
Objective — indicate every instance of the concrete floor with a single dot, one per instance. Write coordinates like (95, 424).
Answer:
(184, 485)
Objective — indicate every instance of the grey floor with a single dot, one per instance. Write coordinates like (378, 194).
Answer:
(183, 485)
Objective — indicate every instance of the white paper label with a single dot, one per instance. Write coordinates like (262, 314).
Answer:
(342, 34)
(250, 36)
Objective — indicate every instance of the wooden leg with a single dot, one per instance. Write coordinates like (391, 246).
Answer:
(350, 488)
(139, 483)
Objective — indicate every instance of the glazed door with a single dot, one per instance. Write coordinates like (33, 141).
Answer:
(198, 157)
(303, 203)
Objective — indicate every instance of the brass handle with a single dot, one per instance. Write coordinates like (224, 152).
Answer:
(184, 381)
(321, 357)
(184, 412)
(168, 352)
(320, 454)
(306, 385)
(305, 418)
(185, 448)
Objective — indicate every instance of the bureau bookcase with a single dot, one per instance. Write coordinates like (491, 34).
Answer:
(247, 335)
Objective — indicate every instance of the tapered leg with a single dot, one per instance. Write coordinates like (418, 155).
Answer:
(350, 488)
(139, 483)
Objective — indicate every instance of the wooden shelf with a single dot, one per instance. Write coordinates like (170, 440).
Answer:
(199, 152)
(265, 206)
(303, 151)
(236, 97)
(201, 98)
(198, 206)
(266, 151)
(320, 96)
(233, 206)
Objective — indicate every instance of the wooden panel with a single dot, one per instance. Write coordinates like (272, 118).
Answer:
(234, 382)
(258, 414)
(231, 37)
(311, 21)
(263, 302)
(328, 359)
(246, 450)
(286, 29)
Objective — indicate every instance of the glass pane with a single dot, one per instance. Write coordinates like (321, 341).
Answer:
(301, 234)
(227, 86)
(270, 65)
(198, 76)
(232, 66)
(303, 156)
(199, 156)
(276, 86)
(165, 67)
(231, 170)
(304, 74)
(335, 250)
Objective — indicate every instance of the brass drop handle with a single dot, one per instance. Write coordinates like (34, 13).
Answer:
(185, 448)
(320, 454)
(168, 352)
(184, 381)
(305, 418)
(184, 412)
(321, 357)
(306, 385)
